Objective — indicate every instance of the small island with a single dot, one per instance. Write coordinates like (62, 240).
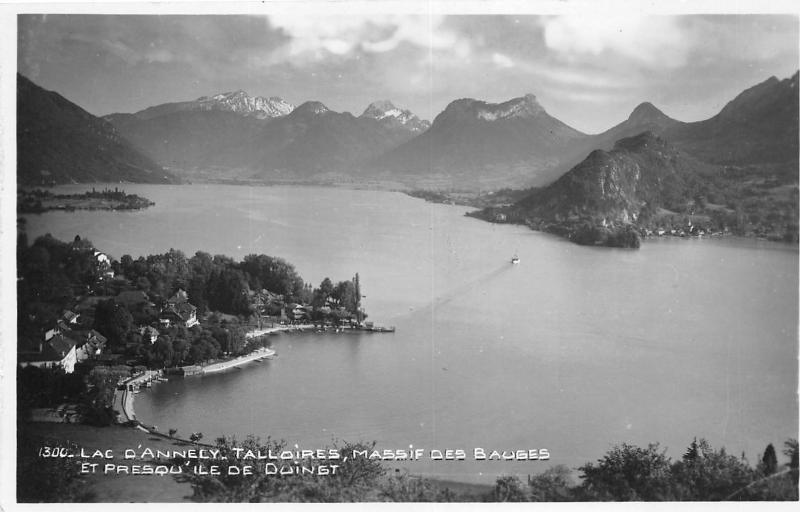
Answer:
(40, 201)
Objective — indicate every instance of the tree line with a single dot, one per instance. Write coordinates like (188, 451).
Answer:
(625, 473)
(53, 274)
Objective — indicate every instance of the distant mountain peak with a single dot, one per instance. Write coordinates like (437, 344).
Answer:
(646, 112)
(530, 100)
(242, 103)
(311, 107)
(386, 112)
(380, 106)
(227, 95)
(523, 107)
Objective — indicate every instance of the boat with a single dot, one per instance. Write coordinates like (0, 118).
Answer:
(515, 260)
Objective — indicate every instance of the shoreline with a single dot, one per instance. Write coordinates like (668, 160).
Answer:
(37, 201)
(127, 396)
(124, 399)
(262, 353)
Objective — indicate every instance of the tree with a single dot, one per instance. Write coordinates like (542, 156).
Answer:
(553, 485)
(162, 353)
(791, 451)
(707, 474)
(345, 294)
(405, 489)
(49, 480)
(113, 321)
(142, 283)
(628, 473)
(508, 489)
(769, 461)
(326, 287)
(356, 478)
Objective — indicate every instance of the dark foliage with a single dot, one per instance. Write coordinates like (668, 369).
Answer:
(51, 479)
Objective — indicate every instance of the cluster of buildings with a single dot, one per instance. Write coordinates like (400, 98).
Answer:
(64, 345)
(68, 343)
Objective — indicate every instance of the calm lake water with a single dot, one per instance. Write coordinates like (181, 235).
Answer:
(574, 350)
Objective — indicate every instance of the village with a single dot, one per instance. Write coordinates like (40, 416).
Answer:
(135, 338)
(70, 340)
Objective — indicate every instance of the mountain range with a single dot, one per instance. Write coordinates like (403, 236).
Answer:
(238, 102)
(760, 125)
(736, 171)
(217, 138)
(471, 144)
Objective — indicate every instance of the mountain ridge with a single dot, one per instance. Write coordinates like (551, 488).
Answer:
(59, 142)
(471, 140)
(237, 101)
(310, 140)
(471, 143)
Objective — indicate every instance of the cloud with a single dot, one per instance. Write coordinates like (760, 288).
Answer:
(502, 61)
(314, 37)
(649, 41)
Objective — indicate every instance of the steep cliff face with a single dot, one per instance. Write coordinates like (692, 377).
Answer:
(614, 187)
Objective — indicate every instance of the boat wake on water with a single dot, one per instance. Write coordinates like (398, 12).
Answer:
(469, 286)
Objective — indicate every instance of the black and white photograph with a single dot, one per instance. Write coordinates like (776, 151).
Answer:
(418, 252)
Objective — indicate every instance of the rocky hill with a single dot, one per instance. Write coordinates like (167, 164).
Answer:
(640, 175)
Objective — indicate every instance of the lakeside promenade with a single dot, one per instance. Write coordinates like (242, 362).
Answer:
(276, 328)
(262, 353)
(123, 400)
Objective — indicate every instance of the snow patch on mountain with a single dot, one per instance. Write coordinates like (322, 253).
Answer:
(386, 111)
(526, 106)
(241, 103)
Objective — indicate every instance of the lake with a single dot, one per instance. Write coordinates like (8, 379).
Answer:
(574, 350)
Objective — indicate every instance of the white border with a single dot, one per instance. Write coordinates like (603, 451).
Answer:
(8, 67)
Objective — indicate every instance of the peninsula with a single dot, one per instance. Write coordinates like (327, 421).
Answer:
(40, 201)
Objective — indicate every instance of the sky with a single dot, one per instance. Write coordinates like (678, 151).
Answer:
(587, 69)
